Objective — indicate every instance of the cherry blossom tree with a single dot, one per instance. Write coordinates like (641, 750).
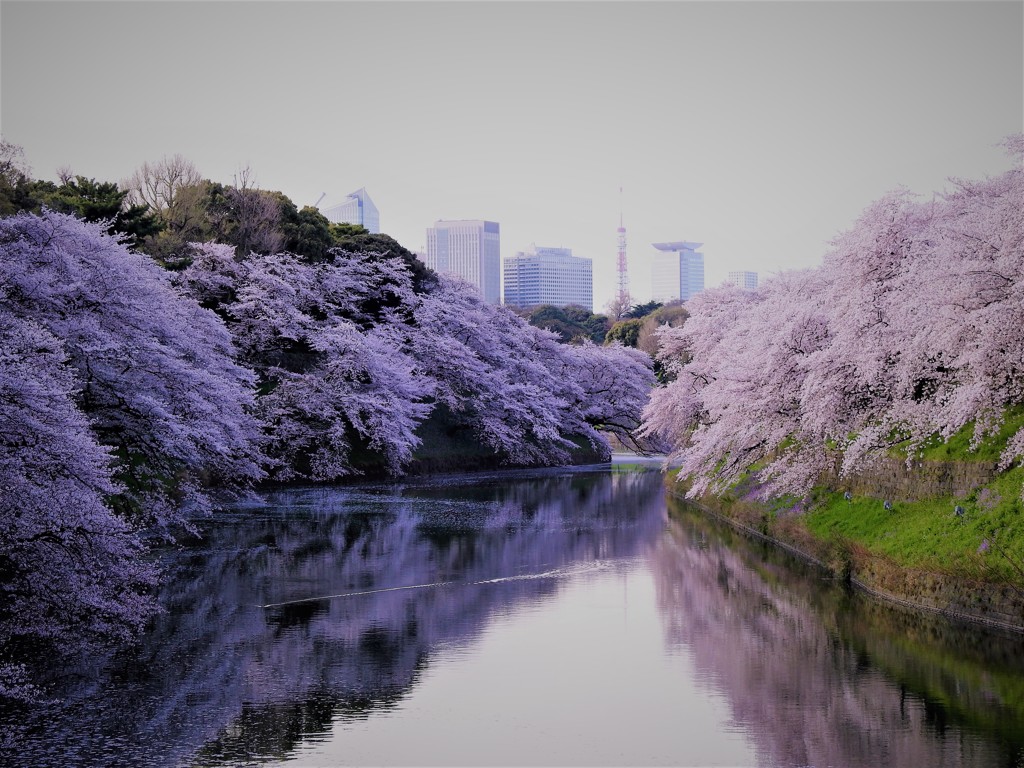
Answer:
(520, 391)
(127, 394)
(740, 367)
(361, 391)
(964, 351)
(490, 373)
(351, 356)
(910, 330)
(321, 337)
(71, 573)
(689, 353)
(156, 372)
(607, 388)
(213, 275)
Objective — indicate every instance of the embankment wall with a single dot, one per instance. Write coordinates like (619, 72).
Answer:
(959, 596)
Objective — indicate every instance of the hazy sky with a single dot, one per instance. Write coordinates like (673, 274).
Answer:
(761, 129)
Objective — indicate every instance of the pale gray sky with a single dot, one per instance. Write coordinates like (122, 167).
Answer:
(761, 129)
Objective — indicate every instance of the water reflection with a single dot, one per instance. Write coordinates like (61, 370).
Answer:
(254, 654)
(325, 617)
(819, 676)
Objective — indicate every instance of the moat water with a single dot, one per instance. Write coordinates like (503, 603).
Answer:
(569, 617)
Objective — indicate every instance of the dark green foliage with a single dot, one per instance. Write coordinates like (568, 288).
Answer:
(253, 220)
(572, 323)
(626, 332)
(20, 193)
(641, 310)
(82, 197)
(309, 234)
(313, 236)
(101, 201)
(306, 233)
(342, 230)
(638, 327)
(87, 199)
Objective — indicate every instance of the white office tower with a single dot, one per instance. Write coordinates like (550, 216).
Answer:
(470, 249)
(549, 276)
(677, 271)
(356, 208)
(745, 280)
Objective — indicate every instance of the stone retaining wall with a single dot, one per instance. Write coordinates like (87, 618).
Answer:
(891, 478)
(959, 597)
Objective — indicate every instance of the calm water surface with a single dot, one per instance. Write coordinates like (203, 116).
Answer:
(558, 617)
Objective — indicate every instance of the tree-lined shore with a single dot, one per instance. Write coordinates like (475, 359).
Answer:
(145, 376)
(168, 342)
(789, 405)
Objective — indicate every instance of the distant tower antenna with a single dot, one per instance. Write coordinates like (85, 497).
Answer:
(622, 298)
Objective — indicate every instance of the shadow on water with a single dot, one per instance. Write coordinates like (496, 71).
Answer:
(323, 605)
(820, 675)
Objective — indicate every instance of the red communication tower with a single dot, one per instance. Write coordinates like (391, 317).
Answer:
(622, 297)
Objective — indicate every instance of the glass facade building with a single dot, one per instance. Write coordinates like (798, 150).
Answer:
(549, 276)
(357, 208)
(677, 271)
(470, 248)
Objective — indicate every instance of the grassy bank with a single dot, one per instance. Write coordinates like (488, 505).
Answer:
(985, 540)
(960, 551)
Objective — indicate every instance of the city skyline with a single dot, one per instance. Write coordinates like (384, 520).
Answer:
(431, 258)
(764, 136)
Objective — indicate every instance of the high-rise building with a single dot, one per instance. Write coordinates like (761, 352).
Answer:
(471, 249)
(677, 271)
(357, 208)
(745, 280)
(549, 276)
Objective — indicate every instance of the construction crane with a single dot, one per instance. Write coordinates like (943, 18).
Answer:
(317, 203)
